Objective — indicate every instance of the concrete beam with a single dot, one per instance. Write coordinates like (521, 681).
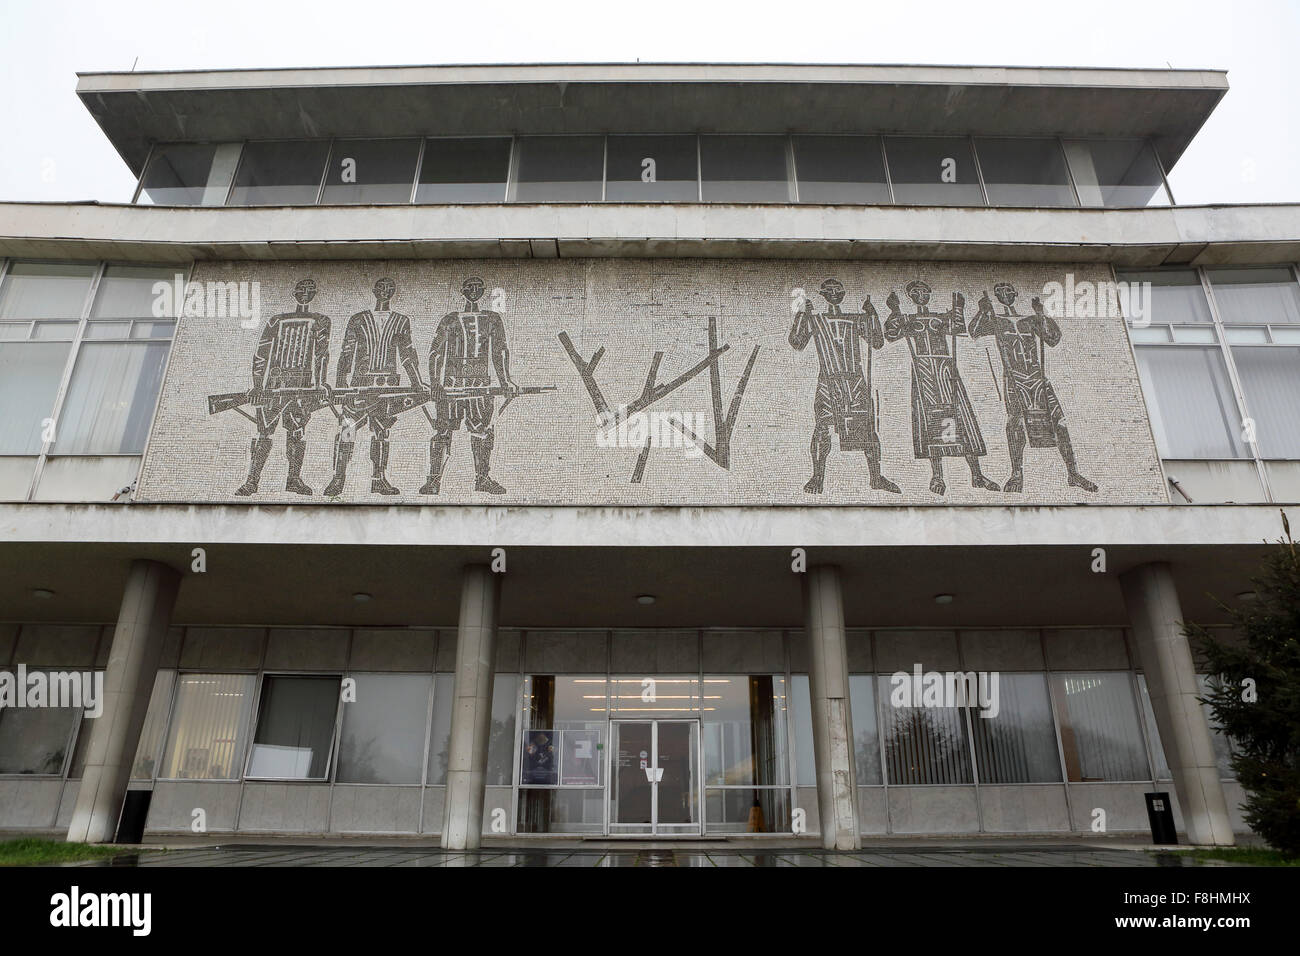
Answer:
(1181, 235)
(476, 526)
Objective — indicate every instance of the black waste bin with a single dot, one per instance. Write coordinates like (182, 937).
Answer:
(1160, 813)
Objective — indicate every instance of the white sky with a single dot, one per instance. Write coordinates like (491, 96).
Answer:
(1249, 151)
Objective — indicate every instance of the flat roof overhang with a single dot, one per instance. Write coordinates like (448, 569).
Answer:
(138, 109)
(707, 567)
(1139, 238)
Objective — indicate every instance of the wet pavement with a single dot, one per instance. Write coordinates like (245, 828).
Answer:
(235, 855)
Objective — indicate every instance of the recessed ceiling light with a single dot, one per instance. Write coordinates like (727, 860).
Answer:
(943, 599)
(43, 593)
(645, 599)
(1247, 596)
(361, 597)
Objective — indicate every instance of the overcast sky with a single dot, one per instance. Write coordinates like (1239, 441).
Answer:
(1249, 151)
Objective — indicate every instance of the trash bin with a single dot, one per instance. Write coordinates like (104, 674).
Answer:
(1160, 813)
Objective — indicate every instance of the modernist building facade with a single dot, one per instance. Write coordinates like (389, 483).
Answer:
(635, 450)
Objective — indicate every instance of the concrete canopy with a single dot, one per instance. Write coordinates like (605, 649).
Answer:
(137, 109)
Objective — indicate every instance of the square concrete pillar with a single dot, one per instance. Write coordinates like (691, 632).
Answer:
(142, 625)
(828, 682)
(471, 713)
(1157, 618)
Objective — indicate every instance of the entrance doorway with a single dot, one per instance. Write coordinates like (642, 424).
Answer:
(654, 777)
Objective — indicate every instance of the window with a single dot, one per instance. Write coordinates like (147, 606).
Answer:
(295, 728)
(464, 170)
(560, 169)
(374, 171)
(924, 745)
(501, 737)
(440, 729)
(36, 740)
(1116, 173)
(1018, 745)
(933, 171)
(805, 761)
(146, 763)
(119, 367)
(1099, 727)
(866, 739)
(1184, 375)
(744, 169)
(1024, 172)
(840, 169)
(383, 729)
(652, 169)
(744, 731)
(562, 746)
(286, 173)
(209, 727)
(189, 174)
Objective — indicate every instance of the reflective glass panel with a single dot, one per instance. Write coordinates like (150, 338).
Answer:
(1256, 296)
(1024, 172)
(652, 169)
(383, 729)
(282, 173)
(933, 171)
(295, 728)
(464, 170)
(1116, 173)
(1017, 744)
(440, 730)
(1270, 380)
(371, 171)
(923, 744)
(560, 168)
(1193, 411)
(840, 169)
(36, 739)
(209, 727)
(178, 174)
(29, 380)
(744, 730)
(127, 292)
(1099, 727)
(147, 754)
(45, 290)
(866, 740)
(501, 739)
(805, 762)
(1176, 296)
(744, 169)
(747, 810)
(111, 398)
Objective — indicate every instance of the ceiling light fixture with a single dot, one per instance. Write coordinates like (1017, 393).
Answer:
(361, 597)
(943, 599)
(645, 599)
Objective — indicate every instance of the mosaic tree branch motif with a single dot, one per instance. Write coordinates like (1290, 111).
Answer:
(653, 392)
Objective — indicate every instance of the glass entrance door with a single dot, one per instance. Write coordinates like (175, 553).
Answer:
(654, 777)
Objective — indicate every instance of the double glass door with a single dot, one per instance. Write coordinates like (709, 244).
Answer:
(654, 777)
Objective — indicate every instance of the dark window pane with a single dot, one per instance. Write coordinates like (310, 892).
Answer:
(840, 169)
(1100, 738)
(295, 728)
(464, 170)
(371, 171)
(923, 745)
(933, 171)
(652, 169)
(1018, 744)
(284, 173)
(1116, 173)
(1256, 296)
(1193, 411)
(1024, 172)
(744, 169)
(35, 739)
(178, 174)
(560, 168)
(1270, 379)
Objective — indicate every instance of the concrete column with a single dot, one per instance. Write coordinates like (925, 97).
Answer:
(128, 683)
(1156, 618)
(828, 679)
(471, 714)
